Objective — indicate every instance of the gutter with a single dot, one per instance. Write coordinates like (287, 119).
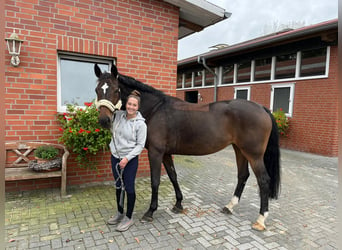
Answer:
(202, 60)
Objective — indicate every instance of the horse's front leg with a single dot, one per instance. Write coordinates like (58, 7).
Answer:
(155, 160)
(171, 172)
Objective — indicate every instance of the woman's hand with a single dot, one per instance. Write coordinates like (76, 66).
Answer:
(123, 163)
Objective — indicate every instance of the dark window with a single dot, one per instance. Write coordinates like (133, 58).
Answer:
(263, 69)
(188, 80)
(281, 99)
(179, 80)
(244, 72)
(198, 78)
(191, 96)
(228, 74)
(313, 62)
(285, 66)
(209, 78)
(242, 94)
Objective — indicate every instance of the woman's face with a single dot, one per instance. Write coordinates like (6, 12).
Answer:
(132, 106)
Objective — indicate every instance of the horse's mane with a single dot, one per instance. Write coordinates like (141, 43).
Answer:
(141, 87)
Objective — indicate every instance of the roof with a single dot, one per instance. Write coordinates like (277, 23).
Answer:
(195, 15)
(265, 41)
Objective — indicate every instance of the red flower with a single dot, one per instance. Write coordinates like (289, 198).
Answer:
(97, 130)
(69, 119)
(81, 130)
(87, 131)
(85, 149)
(60, 129)
(88, 104)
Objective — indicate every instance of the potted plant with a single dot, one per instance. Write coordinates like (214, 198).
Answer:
(46, 159)
(45, 153)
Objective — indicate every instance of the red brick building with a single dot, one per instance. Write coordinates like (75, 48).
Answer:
(295, 70)
(62, 41)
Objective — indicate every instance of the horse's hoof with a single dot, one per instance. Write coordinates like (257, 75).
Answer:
(177, 210)
(146, 219)
(225, 210)
(257, 226)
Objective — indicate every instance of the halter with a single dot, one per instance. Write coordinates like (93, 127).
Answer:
(108, 104)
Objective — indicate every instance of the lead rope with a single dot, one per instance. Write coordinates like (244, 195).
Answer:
(122, 194)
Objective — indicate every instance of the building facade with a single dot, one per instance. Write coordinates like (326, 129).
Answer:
(292, 70)
(62, 42)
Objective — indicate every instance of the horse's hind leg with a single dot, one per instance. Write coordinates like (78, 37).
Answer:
(243, 174)
(263, 180)
(155, 159)
(171, 172)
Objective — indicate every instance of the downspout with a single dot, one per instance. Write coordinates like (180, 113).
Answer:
(201, 60)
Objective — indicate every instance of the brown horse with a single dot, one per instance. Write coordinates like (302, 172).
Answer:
(178, 127)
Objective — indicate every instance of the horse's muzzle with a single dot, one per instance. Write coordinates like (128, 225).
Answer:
(104, 122)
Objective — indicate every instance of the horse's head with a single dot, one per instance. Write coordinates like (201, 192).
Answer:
(108, 94)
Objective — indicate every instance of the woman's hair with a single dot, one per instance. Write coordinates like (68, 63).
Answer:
(135, 94)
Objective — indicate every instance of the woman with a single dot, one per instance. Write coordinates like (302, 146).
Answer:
(129, 136)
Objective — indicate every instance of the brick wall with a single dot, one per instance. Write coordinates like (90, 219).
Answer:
(314, 124)
(142, 35)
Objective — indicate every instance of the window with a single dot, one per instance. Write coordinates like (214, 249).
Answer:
(262, 69)
(285, 66)
(198, 78)
(313, 62)
(228, 74)
(188, 80)
(209, 78)
(242, 93)
(77, 80)
(179, 81)
(282, 98)
(244, 72)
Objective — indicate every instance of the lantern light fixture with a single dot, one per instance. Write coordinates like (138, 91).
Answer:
(13, 46)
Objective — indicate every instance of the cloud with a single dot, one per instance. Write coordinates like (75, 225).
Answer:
(250, 19)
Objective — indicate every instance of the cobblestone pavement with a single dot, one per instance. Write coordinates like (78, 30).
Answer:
(304, 217)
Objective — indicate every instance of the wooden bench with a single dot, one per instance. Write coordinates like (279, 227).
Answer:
(19, 154)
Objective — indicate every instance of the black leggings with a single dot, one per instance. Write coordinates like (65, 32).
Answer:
(129, 174)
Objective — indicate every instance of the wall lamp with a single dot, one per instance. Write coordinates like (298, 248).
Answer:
(13, 46)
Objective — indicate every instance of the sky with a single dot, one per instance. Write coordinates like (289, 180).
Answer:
(255, 18)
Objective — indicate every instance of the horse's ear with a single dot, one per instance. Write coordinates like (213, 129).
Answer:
(97, 70)
(114, 71)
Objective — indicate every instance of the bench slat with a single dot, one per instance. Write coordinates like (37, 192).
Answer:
(14, 174)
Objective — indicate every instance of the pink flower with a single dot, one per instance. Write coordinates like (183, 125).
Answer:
(85, 149)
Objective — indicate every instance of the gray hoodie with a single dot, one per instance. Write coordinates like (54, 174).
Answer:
(129, 135)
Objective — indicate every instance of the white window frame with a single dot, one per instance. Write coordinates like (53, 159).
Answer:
(76, 57)
(248, 88)
(291, 100)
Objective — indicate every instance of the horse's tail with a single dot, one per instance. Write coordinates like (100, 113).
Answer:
(272, 159)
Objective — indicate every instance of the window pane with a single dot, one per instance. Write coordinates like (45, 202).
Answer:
(313, 62)
(209, 78)
(188, 80)
(242, 94)
(228, 74)
(198, 78)
(262, 69)
(281, 98)
(179, 80)
(244, 72)
(78, 81)
(285, 66)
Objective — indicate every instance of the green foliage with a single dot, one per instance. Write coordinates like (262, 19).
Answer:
(82, 133)
(282, 122)
(46, 152)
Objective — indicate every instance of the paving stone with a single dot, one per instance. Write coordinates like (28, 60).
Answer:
(304, 216)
